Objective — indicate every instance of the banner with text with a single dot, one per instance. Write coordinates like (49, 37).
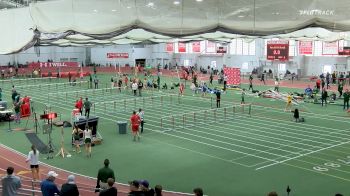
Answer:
(305, 47)
(117, 55)
(330, 48)
(53, 64)
(278, 50)
(169, 47)
(196, 47)
(181, 47)
(233, 75)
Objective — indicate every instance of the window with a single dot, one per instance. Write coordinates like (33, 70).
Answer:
(242, 47)
(213, 64)
(292, 47)
(327, 69)
(318, 48)
(187, 62)
(63, 59)
(73, 60)
(245, 66)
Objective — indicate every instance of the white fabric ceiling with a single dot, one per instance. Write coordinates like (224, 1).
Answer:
(91, 22)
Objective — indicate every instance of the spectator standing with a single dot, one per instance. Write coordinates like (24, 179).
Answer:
(90, 79)
(158, 82)
(198, 191)
(141, 115)
(134, 87)
(87, 140)
(251, 82)
(346, 96)
(218, 98)
(211, 77)
(263, 78)
(225, 82)
(328, 78)
(96, 81)
(10, 183)
(120, 82)
(111, 190)
(70, 188)
(277, 85)
(33, 159)
(340, 89)
(324, 96)
(48, 186)
(140, 86)
(134, 124)
(79, 105)
(87, 106)
(70, 78)
(104, 174)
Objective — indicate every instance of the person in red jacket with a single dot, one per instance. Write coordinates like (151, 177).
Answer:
(134, 124)
(79, 105)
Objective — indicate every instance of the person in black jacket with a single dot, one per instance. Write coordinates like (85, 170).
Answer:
(70, 188)
(296, 115)
(324, 97)
(111, 191)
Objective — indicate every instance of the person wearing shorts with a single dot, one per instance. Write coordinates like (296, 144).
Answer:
(33, 159)
(135, 123)
(87, 140)
(181, 89)
(76, 138)
(289, 102)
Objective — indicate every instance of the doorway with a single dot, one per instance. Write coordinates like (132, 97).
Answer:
(140, 62)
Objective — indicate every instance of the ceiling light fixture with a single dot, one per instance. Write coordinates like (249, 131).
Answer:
(95, 11)
(128, 7)
(176, 2)
(150, 4)
(114, 10)
(199, 0)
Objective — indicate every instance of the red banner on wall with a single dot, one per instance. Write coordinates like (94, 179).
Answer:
(117, 55)
(182, 47)
(53, 64)
(305, 47)
(196, 47)
(233, 75)
(344, 51)
(278, 50)
(169, 47)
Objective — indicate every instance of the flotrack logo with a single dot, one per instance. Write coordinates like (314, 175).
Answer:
(316, 12)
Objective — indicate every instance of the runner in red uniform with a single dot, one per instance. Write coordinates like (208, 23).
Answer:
(134, 124)
(181, 89)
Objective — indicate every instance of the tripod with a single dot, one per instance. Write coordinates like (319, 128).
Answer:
(8, 117)
(50, 146)
(62, 152)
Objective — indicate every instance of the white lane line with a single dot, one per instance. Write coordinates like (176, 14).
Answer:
(279, 162)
